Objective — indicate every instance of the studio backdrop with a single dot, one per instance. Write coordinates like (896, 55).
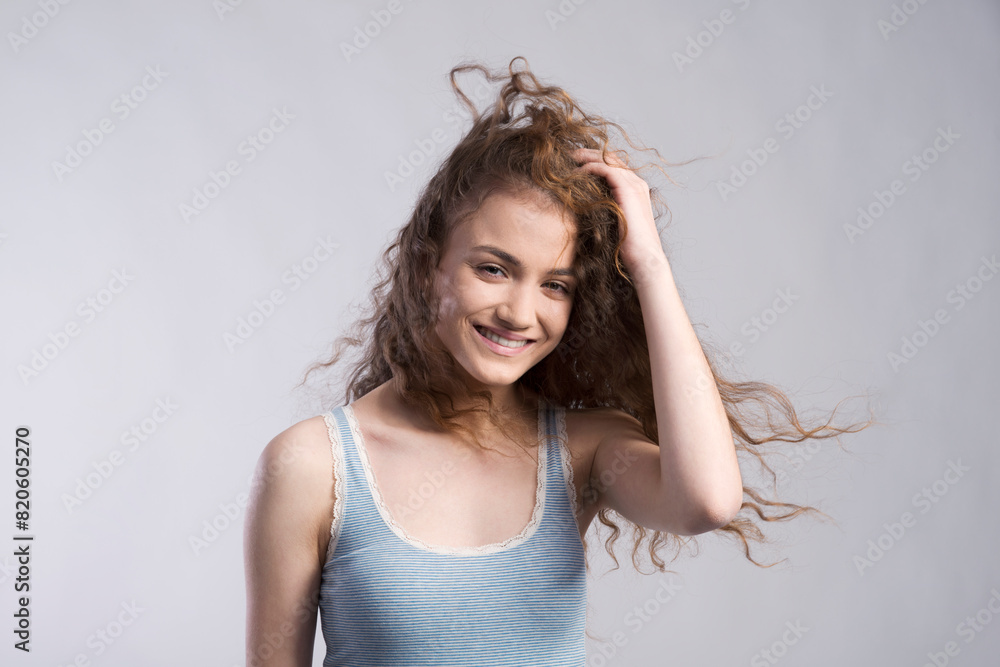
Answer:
(195, 196)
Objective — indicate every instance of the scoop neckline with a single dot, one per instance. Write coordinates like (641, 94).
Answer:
(504, 545)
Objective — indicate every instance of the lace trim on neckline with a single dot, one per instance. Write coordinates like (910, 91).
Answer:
(338, 484)
(383, 510)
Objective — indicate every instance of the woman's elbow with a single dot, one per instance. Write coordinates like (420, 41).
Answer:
(715, 513)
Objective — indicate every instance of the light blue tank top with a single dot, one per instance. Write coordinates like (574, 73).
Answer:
(389, 599)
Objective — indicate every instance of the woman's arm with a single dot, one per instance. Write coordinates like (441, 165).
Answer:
(284, 543)
(691, 483)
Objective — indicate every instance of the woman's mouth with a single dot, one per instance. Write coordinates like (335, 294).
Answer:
(501, 344)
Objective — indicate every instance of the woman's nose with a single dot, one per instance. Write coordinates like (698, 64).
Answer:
(517, 310)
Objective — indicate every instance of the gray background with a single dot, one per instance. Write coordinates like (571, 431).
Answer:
(63, 235)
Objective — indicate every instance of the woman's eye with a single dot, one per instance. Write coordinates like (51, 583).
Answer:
(489, 267)
(496, 271)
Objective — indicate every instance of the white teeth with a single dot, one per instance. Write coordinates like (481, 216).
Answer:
(501, 341)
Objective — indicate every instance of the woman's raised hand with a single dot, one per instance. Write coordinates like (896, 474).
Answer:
(641, 250)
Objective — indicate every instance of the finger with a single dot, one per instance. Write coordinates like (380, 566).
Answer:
(616, 175)
(595, 155)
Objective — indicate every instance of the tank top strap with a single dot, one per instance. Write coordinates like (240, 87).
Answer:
(352, 497)
(553, 472)
(560, 488)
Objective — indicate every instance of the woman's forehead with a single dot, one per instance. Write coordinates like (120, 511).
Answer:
(536, 228)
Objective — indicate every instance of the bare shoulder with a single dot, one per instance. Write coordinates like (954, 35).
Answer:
(298, 449)
(284, 542)
(293, 482)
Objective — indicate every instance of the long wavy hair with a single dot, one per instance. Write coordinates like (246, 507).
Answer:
(522, 143)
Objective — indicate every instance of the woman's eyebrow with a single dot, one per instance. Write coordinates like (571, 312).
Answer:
(514, 261)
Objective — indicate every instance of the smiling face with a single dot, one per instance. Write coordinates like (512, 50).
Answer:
(506, 286)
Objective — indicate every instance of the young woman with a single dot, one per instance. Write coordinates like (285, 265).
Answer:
(528, 366)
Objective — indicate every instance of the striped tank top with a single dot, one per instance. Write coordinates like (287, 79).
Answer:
(389, 599)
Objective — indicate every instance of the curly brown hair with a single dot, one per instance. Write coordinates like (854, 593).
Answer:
(522, 143)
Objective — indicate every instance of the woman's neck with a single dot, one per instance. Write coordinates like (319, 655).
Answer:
(518, 409)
